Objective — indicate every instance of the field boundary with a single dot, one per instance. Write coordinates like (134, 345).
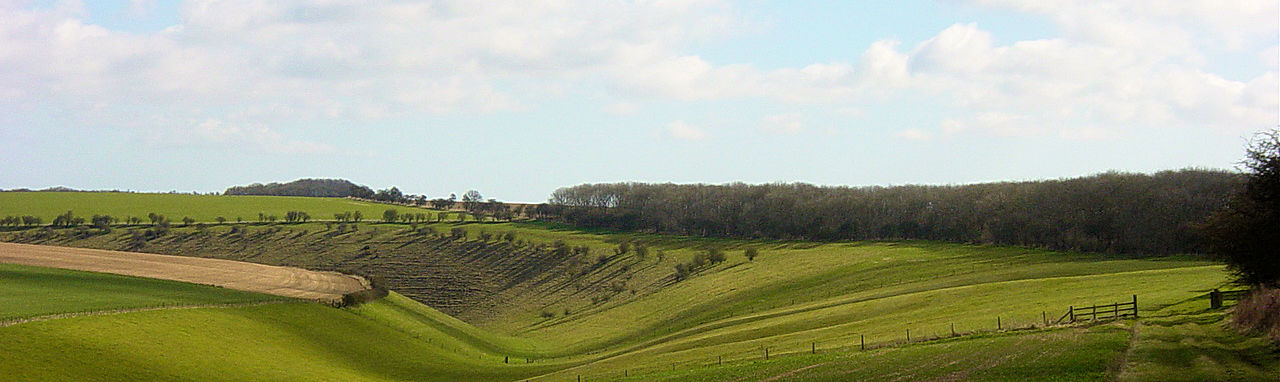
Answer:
(253, 277)
(108, 312)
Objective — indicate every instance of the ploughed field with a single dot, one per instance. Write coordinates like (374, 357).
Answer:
(556, 303)
(269, 279)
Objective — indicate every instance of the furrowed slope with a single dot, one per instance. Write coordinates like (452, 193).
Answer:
(276, 280)
(29, 292)
(575, 303)
(526, 283)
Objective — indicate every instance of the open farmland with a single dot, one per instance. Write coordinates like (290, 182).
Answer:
(30, 291)
(282, 342)
(276, 280)
(596, 311)
(202, 208)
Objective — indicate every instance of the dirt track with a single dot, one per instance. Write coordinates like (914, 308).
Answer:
(280, 281)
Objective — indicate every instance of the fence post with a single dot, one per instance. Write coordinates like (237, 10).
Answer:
(813, 348)
(766, 354)
(998, 325)
(1071, 311)
(908, 335)
(1135, 306)
(1045, 316)
(953, 329)
(863, 340)
(719, 360)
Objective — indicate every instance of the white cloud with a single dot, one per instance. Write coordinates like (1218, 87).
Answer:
(685, 131)
(240, 136)
(339, 57)
(995, 124)
(791, 123)
(1118, 63)
(621, 108)
(914, 135)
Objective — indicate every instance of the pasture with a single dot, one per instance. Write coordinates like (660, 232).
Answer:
(507, 291)
(202, 208)
(289, 341)
(27, 291)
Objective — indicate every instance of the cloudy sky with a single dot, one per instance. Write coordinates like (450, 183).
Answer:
(517, 98)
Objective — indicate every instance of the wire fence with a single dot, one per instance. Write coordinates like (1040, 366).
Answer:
(855, 341)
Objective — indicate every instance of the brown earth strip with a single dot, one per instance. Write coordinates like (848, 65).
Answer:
(269, 279)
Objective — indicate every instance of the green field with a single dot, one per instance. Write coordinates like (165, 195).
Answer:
(282, 342)
(34, 291)
(202, 208)
(603, 315)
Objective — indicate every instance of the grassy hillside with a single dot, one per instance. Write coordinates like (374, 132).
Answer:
(283, 342)
(1065, 354)
(35, 291)
(203, 208)
(570, 301)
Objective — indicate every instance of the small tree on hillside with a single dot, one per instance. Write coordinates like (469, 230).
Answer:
(187, 220)
(715, 256)
(220, 220)
(682, 272)
(751, 254)
(1246, 234)
(389, 216)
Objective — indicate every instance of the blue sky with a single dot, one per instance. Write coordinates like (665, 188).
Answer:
(518, 98)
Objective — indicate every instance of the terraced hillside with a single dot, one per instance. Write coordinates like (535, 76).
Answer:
(580, 303)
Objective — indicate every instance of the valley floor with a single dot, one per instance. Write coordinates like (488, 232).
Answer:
(603, 316)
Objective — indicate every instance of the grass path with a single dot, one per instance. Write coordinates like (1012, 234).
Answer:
(4, 323)
(1198, 347)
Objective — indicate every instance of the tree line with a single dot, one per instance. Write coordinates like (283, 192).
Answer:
(330, 188)
(1111, 212)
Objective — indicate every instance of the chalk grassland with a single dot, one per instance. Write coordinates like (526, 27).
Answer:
(603, 315)
(1067, 354)
(27, 291)
(398, 339)
(275, 342)
(1183, 342)
(276, 280)
(202, 208)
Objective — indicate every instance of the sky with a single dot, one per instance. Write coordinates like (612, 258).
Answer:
(517, 98)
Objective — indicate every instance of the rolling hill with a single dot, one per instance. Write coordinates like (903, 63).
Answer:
(202, 208)
(575, 304)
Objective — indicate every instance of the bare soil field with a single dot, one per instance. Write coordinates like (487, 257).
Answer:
(269, 279)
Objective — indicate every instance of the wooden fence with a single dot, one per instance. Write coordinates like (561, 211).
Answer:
(1101, 312)
(1216, 297)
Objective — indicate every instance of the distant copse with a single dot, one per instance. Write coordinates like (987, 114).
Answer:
(333, 188)
(1110, 212)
